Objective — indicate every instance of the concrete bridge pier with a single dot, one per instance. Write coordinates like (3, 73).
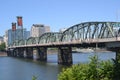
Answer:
(117, 54)
(8, 52)
(29, 53)
(65, 55)
(36, 55)
(15, 52)
(25, 53)
(117, 51)
(12, 53)
(42, 53)
(20, 52)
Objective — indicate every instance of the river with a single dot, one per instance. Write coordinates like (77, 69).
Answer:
(23, 69)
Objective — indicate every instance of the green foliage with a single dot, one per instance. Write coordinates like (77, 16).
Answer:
(76, 72)
(34, 78)
(116, 70)
(2, 47)
(95, 70)
(106, 70)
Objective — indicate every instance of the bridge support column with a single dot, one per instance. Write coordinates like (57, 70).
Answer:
(117, 54)
(65, 55)
(8, 52)
(29, 52)
(117, 50)
(12, 53)
(15, 52)
(42, 53)
(36, 55)
(20, 52)
(25, 53)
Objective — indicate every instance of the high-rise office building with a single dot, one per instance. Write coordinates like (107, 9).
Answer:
(9, 35)
(12, 36)
(26, 34)
(39, 29)
(16, 33)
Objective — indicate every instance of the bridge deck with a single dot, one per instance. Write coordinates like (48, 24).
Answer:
(73, 42)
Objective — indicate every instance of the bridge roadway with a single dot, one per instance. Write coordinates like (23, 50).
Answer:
(75, 43)
(88, 34)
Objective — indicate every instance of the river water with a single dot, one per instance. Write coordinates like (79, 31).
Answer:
(23, 69)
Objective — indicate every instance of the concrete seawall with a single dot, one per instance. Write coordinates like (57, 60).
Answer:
(3, 54)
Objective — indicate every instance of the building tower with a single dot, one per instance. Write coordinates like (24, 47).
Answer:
(19, 31)
(13, 31)
(38, 29)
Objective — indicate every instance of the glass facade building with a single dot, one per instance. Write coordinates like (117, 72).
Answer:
(17, 35)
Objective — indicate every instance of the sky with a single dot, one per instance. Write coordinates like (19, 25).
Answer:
(57, 13)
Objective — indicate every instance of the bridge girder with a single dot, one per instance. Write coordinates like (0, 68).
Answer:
(15, 43)
(49, 37)
(89, 30)
(31, 40)
(44, 38)
(21, 42)
(82, 31)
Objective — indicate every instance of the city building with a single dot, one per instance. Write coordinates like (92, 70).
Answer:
(47, 28)
(39, 29)
(26, 34)
(11, 36)
(16, 33)
(1, 39)
(6, 38)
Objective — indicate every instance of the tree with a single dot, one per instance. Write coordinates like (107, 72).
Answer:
(116, 69)
(2, 47)
(94, 70)
(34, 77)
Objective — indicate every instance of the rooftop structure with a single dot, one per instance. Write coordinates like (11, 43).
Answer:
(39, 29)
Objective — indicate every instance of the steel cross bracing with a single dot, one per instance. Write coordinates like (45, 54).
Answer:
(89, 30)
(49, 37)
(45, 38)
(79, 32)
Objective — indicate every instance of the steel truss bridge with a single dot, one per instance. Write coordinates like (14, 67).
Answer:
(87, 34)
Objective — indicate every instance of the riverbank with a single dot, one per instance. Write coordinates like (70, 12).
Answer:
(52, 51)
(90, 50)
(3, 54)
